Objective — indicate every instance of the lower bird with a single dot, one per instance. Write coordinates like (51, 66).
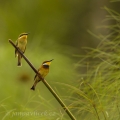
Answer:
(43, 71)
(21, 44)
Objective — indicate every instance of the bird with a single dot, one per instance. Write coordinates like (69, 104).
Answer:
(43, 71)
(21, 44)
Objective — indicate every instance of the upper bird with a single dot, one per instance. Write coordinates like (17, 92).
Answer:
(43, 71)
(21, 44)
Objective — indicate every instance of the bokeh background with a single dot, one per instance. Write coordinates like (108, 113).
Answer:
(58, 30)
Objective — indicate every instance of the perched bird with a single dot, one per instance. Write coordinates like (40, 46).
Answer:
(43, 71)
(21, 44)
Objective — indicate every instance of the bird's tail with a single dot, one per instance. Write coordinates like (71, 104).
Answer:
(19, 61)
(33, 87)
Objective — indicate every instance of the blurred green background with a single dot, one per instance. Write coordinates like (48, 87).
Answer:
(58, 30)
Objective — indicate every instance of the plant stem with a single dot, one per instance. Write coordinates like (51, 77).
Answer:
(96, 111)
(45, 83)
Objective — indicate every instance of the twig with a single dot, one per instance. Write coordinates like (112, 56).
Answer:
(45, 83)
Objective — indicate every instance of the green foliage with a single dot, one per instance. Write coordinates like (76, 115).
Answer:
(98, 93)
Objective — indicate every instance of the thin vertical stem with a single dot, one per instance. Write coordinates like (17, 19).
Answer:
(96, 111)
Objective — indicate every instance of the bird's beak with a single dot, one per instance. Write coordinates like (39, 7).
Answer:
(27, 33)
(51, 60)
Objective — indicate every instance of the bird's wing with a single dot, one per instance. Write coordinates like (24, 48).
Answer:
(36, 74)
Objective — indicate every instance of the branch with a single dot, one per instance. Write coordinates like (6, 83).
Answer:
(45, 83)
